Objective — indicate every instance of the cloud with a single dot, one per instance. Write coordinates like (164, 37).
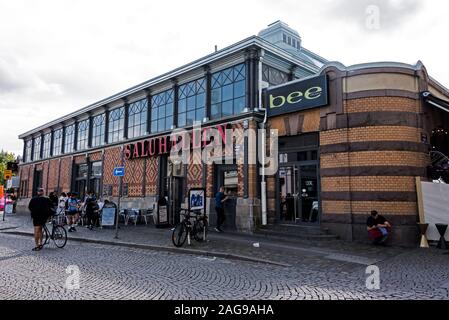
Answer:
(385, 15)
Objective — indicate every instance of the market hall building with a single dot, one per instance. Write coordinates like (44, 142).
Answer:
(359, 150)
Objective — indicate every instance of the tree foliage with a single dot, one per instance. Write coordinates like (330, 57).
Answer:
(5, 157)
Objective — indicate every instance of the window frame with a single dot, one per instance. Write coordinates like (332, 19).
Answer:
(163, 100)
(138, 110)
(69, 146)
(46, 148)
(37, 151)
(98, 130)
(116, 125)
(57, 142)
(82, 137)
(220, 82)
(193, 90)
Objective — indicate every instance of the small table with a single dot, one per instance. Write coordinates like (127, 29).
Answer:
(442, 230)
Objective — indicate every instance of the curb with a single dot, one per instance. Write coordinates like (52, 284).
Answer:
(167, 249)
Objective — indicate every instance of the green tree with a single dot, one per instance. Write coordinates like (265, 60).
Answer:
(5, 157)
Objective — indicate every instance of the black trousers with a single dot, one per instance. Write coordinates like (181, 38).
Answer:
(220, 216)
(91, 219)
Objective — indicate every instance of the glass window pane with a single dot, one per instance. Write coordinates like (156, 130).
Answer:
(239, 89)
(200, 100)
(161, 124)
(200, 114)
(216, 95)
(153, 126)
(169, 109)
(215, 111)
(154, 113)
(161, 112)
(191, 103)
(181, 119)
(168, 123)
(227, 92)
(239, 104)
(227, 108)
(182, 105)
(190, 117)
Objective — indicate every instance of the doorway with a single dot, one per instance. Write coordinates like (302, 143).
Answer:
(298, 197)
(227, 176)
(37, 181)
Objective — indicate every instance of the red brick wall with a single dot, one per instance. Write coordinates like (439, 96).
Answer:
(134, 173)
(112, 159)
(151, 176)
(65, 174)
(97, 156)
(53, 175)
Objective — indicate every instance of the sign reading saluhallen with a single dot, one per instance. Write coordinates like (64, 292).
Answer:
(296, 96)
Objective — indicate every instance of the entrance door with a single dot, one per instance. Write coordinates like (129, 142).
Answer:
(227, 176)
(298, 186)
(37, 181)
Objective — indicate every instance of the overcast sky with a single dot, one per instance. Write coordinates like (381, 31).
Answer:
(57, 56)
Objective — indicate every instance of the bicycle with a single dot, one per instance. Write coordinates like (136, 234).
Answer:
(185, 229)
(58, 234)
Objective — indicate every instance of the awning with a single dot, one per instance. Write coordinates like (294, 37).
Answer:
(436, 102)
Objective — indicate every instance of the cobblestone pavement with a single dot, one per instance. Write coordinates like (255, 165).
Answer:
(297, 253)
(113, 272)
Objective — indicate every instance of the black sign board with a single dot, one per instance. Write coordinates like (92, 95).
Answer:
(297, 96)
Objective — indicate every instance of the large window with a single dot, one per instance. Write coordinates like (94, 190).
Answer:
(57, 142)
(83, 135)
(98, 130)
(69, 138)
(37, 148)
(192, 102)
(137, 118)
(228, 92)
(162, 111)
(47, 145)
(28, 148)
(273, 76)
(116, 125)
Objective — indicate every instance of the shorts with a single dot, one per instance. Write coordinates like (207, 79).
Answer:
(39, 222)
(71, 213)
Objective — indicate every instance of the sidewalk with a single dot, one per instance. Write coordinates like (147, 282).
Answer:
(286, 253)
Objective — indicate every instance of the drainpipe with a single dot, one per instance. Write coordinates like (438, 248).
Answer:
(263, 184)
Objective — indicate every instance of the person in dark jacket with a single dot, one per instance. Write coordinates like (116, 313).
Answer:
(220, 199)
(91, 210)
(40, 208)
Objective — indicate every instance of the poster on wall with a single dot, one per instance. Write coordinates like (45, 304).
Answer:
(197, 199)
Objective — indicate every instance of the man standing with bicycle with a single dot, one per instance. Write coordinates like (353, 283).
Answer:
(40, 208)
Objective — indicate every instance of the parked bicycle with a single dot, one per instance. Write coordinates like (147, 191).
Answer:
(186, 228)
(58, 233)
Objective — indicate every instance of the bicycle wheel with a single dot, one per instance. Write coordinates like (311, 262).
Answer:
(200, 230)
(179, 235)
(59, 236)
(45, 235)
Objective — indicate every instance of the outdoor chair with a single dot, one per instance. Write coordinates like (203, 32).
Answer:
(131, 214)
(145, 213)
(122, 215)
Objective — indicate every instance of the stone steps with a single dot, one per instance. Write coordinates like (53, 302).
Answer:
(295, 231)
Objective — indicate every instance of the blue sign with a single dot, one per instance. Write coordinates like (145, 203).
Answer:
(119, 172)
